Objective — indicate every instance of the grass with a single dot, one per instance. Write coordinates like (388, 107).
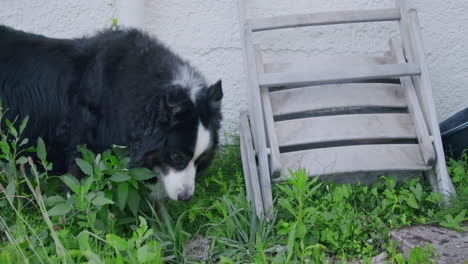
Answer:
(106, 218)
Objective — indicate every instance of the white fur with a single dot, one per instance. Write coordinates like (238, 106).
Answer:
(176, 182)
(203, 141)
(189, 78)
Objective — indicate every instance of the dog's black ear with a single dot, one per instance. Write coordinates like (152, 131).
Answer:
(215, 92)
(172, 105)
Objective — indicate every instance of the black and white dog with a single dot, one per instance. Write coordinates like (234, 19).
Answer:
(117, 87)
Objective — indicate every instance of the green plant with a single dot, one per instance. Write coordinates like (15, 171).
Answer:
(104, 217)
(454, 222)
(137, 249)
(55, 216)
(417, 255)
(295, 203)
(106, 179)
(458, 170)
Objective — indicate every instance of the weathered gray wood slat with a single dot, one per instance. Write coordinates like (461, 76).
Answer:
(324, 18)
(424, 139)
(414, 51)
(337, 75)
(256, 114)
(274, 157)
(291, 101)
(249, 165)
(445, 184)
(344, 127)
(355, 159)
(365, 178)
(321, 62)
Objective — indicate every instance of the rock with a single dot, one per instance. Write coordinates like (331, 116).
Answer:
(198, 249)
(379, 259)
(452, 246)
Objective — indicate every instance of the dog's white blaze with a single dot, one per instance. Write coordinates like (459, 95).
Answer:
(189, 78)
(203, 141)
(176, 182)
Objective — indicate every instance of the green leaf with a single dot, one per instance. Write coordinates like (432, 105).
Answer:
(260, 257)
(30, 149)
(101, 200)
(83, 241)
(90, 196)
(5, 147)
(122, 195)
(225, 260)
(85, 167)
(411, 201)
(24, 142)
(454, 223)
(117, 242)
(386, 203)
(52, 200)
(11, 128)
(417, 191)
(87, 154)
(461, 216)
(41, 149)
(92, 257)
(133, 201)
(149, 253)
(120, 177)
(23, 124)
(142, 174)
(115, 22)
(10, 191)
(418, 255)
(22, 160)
(134, 183)
(400, 259)
(287, 205)
(291, 240)
(97, 159)
(103, 166)
(71, 182)
(86, 184)
(60, 209)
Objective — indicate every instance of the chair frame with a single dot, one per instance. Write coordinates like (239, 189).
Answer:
(259, 141)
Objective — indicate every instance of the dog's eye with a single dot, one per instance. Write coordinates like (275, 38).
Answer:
(203, 161)
(178, 157)
(203, 158)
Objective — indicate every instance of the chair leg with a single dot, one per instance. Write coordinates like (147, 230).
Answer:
(249, 164)
(246, 169)
(432, 177)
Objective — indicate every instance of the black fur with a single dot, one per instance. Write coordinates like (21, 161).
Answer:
(112, 88)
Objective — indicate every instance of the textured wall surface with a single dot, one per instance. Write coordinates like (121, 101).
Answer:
(207, 34)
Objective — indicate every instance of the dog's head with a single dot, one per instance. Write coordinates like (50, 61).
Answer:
(189, 117)
(162, 108)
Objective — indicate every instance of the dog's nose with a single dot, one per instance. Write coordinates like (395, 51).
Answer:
(184, 196)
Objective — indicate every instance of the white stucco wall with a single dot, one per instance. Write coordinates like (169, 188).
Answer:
(207, 34)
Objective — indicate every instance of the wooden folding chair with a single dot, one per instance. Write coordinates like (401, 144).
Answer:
(344, 118)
